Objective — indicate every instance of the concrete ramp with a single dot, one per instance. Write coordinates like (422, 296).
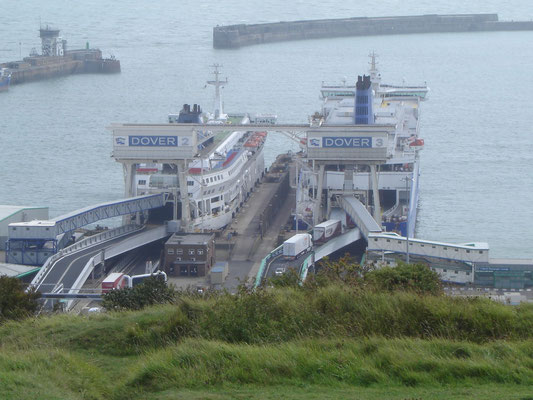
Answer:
(353, 235)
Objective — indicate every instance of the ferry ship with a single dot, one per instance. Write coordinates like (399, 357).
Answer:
(221, 176)
(5, 78)
(398, 177)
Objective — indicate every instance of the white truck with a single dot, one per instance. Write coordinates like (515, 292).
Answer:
(297, 245)
(326, 230)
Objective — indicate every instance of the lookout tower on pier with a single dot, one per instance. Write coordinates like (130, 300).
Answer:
(51, 43)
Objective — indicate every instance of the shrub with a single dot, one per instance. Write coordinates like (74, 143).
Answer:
(15, 302)
(151, 291)
(412, 277)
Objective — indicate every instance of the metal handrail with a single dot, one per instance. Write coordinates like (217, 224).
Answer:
(84, 243)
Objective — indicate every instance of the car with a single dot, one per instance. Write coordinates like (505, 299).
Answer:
(279, 271)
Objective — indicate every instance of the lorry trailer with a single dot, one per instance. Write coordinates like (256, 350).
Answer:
(297, 245)
(326, 230)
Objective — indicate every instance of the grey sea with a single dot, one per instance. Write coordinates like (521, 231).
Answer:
(477, 165)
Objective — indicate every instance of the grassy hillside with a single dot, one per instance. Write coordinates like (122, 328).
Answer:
(332, 342)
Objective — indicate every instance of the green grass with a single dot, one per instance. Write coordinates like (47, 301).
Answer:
(290, 344)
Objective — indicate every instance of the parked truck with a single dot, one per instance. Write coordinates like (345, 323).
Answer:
(297, 245)
(113, 281)
(326, 230)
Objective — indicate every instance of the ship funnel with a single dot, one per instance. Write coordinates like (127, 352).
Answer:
(363, 113)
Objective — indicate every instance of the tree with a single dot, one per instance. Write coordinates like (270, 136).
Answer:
(151, 291)
(15, 302)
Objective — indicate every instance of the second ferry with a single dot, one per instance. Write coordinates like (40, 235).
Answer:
(369, 102)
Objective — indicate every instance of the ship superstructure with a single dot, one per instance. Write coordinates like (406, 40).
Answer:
(369, 104)
(206, 175)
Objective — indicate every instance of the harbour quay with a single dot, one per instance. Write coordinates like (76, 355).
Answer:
(56, 60)
(234, 36)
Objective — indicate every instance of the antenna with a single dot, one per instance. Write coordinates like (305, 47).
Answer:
(217, 83)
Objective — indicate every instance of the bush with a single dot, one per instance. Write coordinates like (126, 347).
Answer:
(15, 303)
(412, 277)
(151, 291)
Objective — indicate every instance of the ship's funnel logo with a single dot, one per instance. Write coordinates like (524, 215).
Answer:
(120, 141)
(314, 143)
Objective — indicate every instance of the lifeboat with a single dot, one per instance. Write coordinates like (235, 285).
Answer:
(417, 144)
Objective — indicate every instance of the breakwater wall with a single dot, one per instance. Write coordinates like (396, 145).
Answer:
(233, 36)
(35, 68)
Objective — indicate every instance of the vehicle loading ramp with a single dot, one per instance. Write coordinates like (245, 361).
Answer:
(360, 215)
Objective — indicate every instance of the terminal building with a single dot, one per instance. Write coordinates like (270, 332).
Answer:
(189, 254)
(10, 214)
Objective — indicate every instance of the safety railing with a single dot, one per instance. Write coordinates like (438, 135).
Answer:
(308, 262)
(266, 261)
(82, 244)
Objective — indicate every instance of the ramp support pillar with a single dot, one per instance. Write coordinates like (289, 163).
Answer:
(318, 206)
(184, 194)
(375, 192)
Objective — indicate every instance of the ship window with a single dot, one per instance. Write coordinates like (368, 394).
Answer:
(14, 228)
(142, 182)
(200, 252)
(211, 179)
(190, 183)
(191, 252)
(455, 272)
(456, 249)
(480, 252)
(421, 245)
(444, 248)
(170, 251)
(444, 270)
(215, 199)
(27, 229)
(432, 247)
(388, 240)
(468, 251)
(468, 273)
(375, 239)
(179, 251)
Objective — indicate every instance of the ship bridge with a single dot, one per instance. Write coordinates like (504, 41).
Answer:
(34, 241)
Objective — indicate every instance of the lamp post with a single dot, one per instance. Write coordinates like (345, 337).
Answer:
(407, 179)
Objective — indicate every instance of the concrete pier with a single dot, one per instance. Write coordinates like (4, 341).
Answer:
(234, 36)
(35, 68)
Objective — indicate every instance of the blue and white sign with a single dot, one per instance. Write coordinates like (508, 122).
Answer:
(352, 142)
(121, 140)
(159, 141)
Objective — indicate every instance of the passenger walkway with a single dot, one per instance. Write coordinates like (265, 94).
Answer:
(393, 243)
(33, 242)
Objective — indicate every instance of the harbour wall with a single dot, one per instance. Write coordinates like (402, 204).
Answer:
(234, 36)
(35, 68)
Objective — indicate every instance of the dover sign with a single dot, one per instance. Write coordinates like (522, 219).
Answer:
(353, 142)
(151, 141)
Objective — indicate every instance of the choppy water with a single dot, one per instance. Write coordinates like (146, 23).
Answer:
(477, 170)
